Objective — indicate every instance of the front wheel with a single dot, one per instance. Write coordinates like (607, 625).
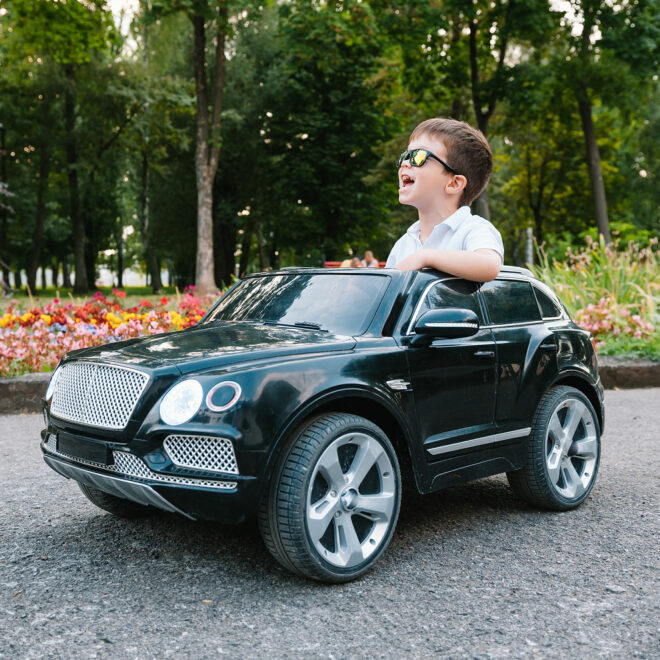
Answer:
(334, 502)
(563, 452)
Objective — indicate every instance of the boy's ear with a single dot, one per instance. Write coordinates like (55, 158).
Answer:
(456, 185)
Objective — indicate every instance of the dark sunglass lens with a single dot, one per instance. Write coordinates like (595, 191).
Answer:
(418, 157)
(401, 158)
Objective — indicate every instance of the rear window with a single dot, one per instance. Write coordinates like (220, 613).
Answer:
(510, 301)
(550, 307)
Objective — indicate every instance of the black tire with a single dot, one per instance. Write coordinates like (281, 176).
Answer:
(563, 452)
(358, 497)
(116, 505)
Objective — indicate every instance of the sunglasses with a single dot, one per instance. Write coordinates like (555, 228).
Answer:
(418, 157)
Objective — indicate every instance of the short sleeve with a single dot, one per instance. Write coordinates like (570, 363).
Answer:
(484, 236)
(396, 253)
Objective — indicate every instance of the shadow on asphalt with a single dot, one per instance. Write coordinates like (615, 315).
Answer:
(172, 545)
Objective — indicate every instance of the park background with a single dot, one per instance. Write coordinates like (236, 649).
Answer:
(198, 140)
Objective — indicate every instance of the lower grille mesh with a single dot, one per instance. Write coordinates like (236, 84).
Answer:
(201, 453)
(132, 466)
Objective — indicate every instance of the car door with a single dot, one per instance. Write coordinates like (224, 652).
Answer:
(526, 348)
(453, 380)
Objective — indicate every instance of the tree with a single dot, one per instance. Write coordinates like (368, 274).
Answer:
(61, 36)
(207, 16)
(615, 52)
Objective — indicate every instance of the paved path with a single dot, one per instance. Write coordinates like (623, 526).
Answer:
(471, 572)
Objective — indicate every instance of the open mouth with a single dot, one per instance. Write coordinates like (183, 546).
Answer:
(406, 181)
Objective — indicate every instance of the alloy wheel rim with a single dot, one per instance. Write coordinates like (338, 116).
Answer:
(571, 444)
(351, 500)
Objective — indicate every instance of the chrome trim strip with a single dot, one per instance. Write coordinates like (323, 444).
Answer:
(398, 384)
(512, 325)
(128, 490)
(452, 325)
(483, 440)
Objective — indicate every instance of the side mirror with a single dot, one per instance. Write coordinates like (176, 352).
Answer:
(447, 323)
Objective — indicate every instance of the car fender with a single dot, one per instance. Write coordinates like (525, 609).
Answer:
(323, 402)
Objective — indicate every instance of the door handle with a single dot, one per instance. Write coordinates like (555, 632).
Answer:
(549, 347)
(484, 354)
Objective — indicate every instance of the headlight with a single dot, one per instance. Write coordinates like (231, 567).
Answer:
(181, 402)
(52, 383)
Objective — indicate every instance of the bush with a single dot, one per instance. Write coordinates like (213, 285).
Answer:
(612, 291)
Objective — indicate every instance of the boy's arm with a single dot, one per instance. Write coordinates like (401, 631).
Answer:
(480, 265)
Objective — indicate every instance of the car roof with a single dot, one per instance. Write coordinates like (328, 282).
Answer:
(505, 270)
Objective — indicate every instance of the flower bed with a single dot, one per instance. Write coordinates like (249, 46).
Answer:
(35, 339)
(613, 292)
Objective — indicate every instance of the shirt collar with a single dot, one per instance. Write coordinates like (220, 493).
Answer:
(452, 221)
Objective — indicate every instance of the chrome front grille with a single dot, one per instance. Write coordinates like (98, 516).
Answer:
(97, 394)
(202, 453)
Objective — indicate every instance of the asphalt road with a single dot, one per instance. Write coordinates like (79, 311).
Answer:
(471, 572)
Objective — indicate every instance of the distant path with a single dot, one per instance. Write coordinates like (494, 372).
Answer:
(471, 572)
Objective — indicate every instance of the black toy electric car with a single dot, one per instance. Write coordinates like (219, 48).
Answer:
(306, 397)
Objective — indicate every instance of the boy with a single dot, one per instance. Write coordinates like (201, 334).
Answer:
(446, 166)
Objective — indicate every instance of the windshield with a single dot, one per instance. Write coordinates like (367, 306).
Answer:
(340, 303)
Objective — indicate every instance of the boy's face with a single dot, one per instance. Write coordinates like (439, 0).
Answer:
(424, 187)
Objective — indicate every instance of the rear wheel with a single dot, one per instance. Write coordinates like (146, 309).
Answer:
(115, 505)
(563, 452)
(334, 501)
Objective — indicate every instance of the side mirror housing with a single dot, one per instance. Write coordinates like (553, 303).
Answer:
(447, 323)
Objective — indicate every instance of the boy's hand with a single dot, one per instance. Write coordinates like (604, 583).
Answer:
(414, 261)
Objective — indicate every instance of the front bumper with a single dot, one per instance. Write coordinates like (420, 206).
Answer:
(226, 498)
(120, 487)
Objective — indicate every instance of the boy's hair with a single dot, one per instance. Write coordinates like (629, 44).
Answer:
(468, 152)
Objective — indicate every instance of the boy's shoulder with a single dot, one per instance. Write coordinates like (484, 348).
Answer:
(466, 220)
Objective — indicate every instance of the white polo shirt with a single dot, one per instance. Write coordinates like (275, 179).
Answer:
(460, 231)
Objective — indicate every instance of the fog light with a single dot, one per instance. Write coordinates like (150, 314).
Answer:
(223, 396)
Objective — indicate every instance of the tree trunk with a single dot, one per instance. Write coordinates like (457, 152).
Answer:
(37, 233)
(66, 273)
(482, 114)
(81, 284)
(207, 149)
(260, 246)
(4, 243)
(120, 258)
(245, 249)
(42, 186)
(152, 262)
(593, 160)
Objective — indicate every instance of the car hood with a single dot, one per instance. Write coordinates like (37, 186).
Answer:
(218, 345)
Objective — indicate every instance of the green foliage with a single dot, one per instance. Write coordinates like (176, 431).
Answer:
(629, 274)
(631, 347)
(613, 291)
(319, 99)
